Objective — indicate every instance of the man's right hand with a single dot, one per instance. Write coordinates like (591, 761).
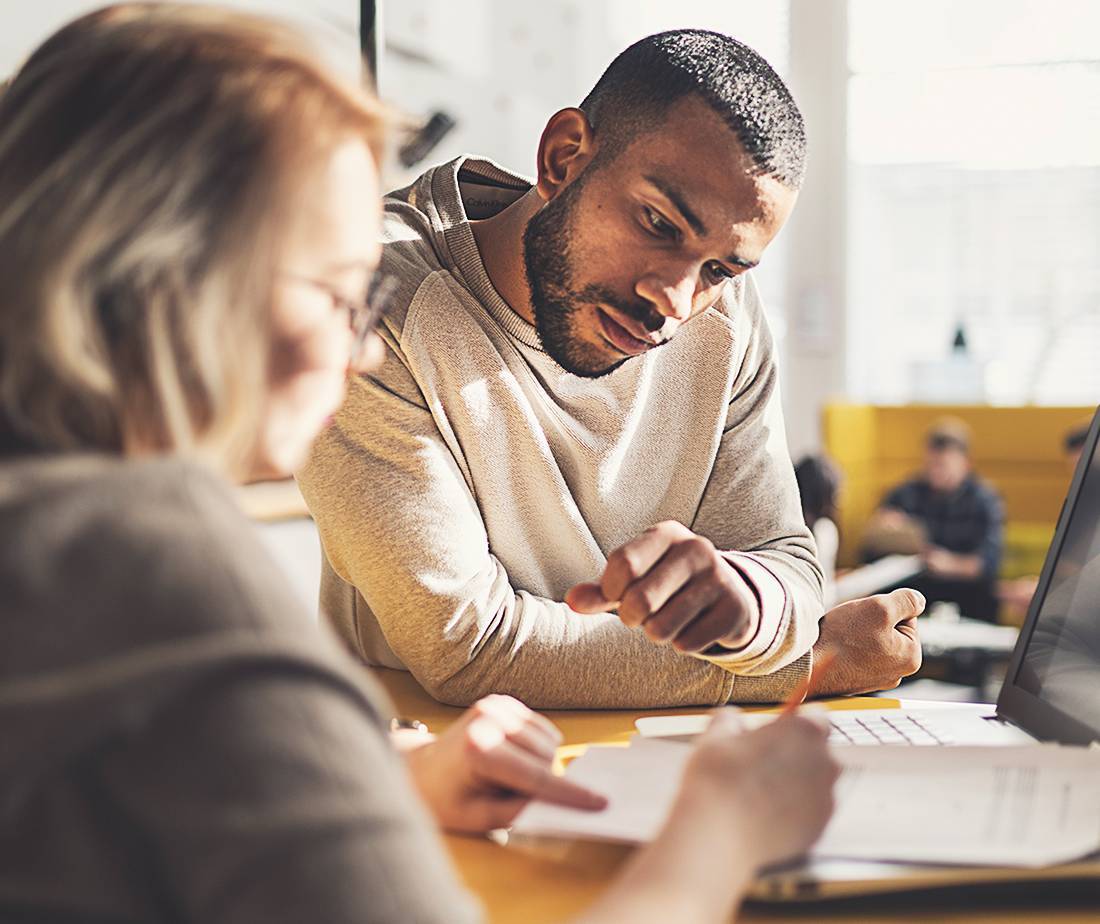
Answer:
(875, 643)
(890, 518)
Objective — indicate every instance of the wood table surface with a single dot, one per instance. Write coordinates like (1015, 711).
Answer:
(539, 882)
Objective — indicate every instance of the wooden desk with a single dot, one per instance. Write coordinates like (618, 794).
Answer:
(549, 882)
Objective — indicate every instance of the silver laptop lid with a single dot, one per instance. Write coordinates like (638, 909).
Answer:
(1052, 688)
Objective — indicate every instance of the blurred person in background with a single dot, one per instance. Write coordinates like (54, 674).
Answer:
(188, 235)
(954, 520)
(819, 489)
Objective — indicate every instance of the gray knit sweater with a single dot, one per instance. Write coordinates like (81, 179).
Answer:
(179, 740)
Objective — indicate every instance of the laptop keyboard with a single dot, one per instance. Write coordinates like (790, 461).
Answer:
(882, 728)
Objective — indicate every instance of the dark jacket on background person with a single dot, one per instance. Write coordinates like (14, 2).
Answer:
(966, 521)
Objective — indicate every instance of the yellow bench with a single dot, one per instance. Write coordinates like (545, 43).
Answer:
(1018, 449)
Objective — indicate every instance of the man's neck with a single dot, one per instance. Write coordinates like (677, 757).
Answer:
(500, 243)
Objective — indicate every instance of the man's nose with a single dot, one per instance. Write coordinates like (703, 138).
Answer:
(670, 293)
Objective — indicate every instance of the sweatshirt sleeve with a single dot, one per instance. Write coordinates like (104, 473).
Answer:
(269, 797)
(406, 544)
(751, 510)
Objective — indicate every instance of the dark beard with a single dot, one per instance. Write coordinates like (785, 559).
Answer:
(554, 299)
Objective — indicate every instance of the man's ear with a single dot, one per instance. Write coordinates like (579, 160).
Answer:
(566, 148)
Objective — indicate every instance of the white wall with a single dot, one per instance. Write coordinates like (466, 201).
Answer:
(24, 25)
(501, 68)
(815, 357)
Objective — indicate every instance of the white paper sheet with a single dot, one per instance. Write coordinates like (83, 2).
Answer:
(640, 783)
(688, 726)
(685, 728)
(1013, 806)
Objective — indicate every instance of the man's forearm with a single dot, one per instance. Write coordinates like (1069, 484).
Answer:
(485, 637)
(549, 657)
(969, 566)
(790, 608)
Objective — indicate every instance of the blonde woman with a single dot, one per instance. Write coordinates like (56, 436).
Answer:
(188, 222)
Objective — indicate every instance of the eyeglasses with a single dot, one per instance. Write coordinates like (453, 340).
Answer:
(363, 316)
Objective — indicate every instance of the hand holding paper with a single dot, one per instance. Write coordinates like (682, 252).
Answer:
(770, 788)
(1013, 806)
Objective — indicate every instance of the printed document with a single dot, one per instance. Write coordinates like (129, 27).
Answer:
(1034, 805)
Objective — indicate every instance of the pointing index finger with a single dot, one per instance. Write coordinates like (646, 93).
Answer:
(559, 790)
(587, 598)
(511, 767)
(632, 560)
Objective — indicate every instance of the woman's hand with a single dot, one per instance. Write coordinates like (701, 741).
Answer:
(496, 758)
(774, 785)
(747, 799)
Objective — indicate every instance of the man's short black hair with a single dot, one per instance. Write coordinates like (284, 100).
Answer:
(641, 84)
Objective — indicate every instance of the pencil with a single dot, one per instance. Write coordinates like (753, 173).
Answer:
(798, 694)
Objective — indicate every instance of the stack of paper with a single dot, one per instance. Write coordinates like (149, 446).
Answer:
(1015, 806)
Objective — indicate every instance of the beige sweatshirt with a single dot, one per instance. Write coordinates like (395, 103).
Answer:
(470, 481)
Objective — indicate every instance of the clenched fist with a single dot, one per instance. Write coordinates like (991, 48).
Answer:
(875, 643)
(677, 586)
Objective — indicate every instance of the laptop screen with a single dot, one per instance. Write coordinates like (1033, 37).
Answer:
(1061, 662)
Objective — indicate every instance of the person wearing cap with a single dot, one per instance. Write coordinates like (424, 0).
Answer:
(959, 517)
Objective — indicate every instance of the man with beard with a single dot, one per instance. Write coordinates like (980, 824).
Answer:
(569, 479)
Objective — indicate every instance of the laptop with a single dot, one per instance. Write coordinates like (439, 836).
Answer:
(1051, 693)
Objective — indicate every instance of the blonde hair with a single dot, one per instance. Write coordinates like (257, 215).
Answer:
(148, 156)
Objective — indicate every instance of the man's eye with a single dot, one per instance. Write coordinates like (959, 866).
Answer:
(718, 273)
(657, 224)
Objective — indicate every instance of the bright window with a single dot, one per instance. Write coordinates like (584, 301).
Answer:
(974, 195)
